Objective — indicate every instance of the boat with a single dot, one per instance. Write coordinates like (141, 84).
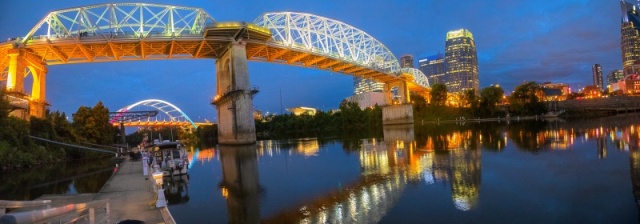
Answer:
(169, 157)
(553, 114)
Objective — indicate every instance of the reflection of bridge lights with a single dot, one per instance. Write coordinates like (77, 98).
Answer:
(225, 192)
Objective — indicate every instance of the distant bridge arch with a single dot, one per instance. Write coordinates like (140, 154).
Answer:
(174, 113)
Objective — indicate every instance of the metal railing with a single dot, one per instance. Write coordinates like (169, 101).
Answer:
(71, 213)
(22, 204)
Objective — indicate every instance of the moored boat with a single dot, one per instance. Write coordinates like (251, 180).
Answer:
(170, 157)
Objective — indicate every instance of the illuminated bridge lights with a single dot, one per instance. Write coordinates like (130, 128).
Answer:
(176, 116)
(141, 31)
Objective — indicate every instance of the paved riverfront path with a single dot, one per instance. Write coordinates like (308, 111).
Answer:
(131, 196)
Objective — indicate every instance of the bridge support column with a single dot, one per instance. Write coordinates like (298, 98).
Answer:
(15, 82)
(37, 104)
(234, 98)
(398, 110)
(19, 62)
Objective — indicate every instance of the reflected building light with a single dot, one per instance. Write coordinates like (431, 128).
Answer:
(322, 217)
(338, 216)
(352, 206)
(308, 147)
(399, 144)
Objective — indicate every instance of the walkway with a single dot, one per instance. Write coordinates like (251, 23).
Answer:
(132, 197)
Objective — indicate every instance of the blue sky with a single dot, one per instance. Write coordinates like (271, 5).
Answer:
(516, 41)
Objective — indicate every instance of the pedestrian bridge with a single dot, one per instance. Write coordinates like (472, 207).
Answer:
(141, 31)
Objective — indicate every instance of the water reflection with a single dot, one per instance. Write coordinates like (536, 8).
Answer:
(453, 155)
(63, 178)
(384, 173)
(371, 196)
(176, 189)
(240, 184)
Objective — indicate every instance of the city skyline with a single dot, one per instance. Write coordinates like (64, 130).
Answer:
(557, 42)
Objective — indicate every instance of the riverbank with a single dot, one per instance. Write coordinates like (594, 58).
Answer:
(493, 119)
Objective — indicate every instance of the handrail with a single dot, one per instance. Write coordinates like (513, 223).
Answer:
(50, 214)
(4, 204)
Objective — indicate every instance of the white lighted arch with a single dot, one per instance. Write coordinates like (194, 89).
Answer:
(125, 19)
(332, 38)
(418, 76)
(174, 113)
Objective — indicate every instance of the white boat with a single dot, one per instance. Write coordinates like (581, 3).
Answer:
(552, 114)
(170, 157)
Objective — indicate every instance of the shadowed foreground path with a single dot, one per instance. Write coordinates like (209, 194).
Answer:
(130, 195)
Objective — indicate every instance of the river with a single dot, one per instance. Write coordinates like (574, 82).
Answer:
(517, 172)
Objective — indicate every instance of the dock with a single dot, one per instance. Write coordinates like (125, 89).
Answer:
(132, 196)
(128, 194)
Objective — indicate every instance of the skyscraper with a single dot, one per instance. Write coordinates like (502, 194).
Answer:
(461, 62)
(597, 76)
(629, 36)
(614, 76)
(433, 68)
(406, 61)
(361, 85)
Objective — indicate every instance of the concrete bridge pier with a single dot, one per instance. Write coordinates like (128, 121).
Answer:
(234, 98)
(19, 61)
(398, 110)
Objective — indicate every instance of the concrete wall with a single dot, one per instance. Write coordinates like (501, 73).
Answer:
(368, 99)
(397, 114)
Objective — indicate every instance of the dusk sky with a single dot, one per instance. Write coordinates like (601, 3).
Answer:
(547, 40)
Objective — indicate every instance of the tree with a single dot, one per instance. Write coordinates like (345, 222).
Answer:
(470, 99)
(489, 99)
(93, 125)
(418, 101)
(525, 100)
(5, 105)
(438, 94)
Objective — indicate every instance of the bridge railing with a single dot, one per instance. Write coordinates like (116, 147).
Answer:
(22, 204)
(109, 35)
(71, 213)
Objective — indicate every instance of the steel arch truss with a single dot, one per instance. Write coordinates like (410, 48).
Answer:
(139, 20)
(173, 112)
(418, 77)
(322, 36)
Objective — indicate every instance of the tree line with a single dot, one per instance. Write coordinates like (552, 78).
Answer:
(526, 100)
(18, 149)
(349, 120)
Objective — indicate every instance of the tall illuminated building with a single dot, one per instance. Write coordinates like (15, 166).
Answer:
(629, 37)
(406, 61)
(597, 76)
(361, 85)
(614, 76)
(433, 68)
(461, 62)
